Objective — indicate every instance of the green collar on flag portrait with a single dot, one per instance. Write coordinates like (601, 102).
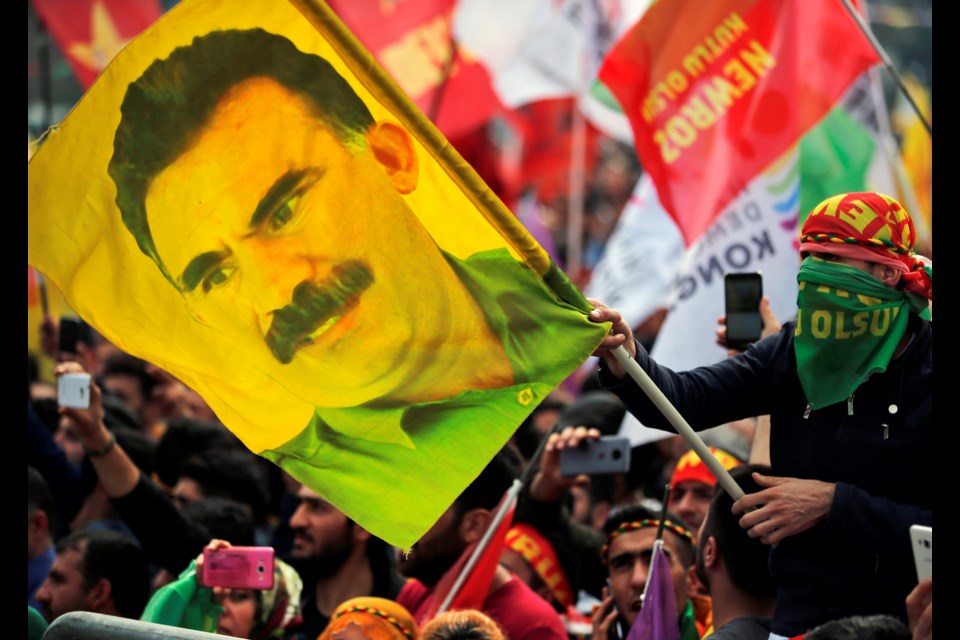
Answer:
(415, 459)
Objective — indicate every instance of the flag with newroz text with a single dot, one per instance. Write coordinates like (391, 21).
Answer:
(717, 91)
(758, 231)
(248, 201)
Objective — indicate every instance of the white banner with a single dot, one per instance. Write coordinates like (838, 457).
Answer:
(540, 49)
(757, 232)
(636, 272)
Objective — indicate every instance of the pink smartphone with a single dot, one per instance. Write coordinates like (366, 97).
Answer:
(238, 568)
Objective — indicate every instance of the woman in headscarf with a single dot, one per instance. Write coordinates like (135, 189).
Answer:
(256, 614)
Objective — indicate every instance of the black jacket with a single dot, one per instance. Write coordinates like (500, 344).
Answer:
(877, 447)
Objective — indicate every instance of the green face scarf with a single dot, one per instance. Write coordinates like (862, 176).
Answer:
(848, 326)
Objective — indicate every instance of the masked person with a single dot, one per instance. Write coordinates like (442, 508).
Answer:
(848, 386)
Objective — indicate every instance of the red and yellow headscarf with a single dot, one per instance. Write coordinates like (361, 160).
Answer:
(873, 227)
(691, 467)
(539, 554)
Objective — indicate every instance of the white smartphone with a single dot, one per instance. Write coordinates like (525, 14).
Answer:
(922, 538)
(73, 390)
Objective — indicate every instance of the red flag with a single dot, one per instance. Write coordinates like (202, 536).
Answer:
(473, 590)
(544, 129)
(716, 91)
(413, 42)
(90, 32)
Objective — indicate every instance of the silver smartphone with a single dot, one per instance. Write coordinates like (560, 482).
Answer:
(609, 454)
(73, 390)
(922, 539)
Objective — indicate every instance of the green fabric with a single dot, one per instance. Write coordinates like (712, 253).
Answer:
(36, 624)
(688, 623)
(400, 489)
(848, 326)
(835, 157)
(184, 603)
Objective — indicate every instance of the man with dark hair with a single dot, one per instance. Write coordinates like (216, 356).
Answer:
(337, 559)
(510, 602)
(266, 263)
(875, 627)
(185, 438)
(41, 514)
(96, 570)
(733, 566)
(225, 473)
(127, 377)
(631, 532)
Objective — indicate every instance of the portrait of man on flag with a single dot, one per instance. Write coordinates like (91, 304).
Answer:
(306, 253)
(303, 249)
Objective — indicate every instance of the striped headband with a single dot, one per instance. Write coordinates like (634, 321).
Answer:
(376, 612)
(678, 529)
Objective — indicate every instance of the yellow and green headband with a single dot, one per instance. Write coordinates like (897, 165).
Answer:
(678, 529)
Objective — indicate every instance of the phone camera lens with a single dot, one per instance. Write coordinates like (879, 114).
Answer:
(616, 455)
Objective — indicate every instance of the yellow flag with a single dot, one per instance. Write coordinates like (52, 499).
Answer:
(246, 199)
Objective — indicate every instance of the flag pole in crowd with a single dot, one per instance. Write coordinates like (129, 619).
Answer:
(679, 423)
(499, 526)
(887, 63)
(658, 612)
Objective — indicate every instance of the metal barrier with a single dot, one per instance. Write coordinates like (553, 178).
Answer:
(84, 625)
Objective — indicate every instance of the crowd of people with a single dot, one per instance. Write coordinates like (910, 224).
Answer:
(125, 496)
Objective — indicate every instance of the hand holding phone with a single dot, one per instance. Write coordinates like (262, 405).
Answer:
(922, 538)
(238, 567)
(73, 390)
(742, 295)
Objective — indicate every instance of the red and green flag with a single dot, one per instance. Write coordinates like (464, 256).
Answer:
(715, 92)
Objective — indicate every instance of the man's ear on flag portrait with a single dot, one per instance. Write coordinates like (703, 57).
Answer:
(393, 148)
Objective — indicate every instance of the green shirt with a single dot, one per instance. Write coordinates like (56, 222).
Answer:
(530, 320)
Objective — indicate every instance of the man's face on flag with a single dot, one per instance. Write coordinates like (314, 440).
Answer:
(296, 249)
(628, 561)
